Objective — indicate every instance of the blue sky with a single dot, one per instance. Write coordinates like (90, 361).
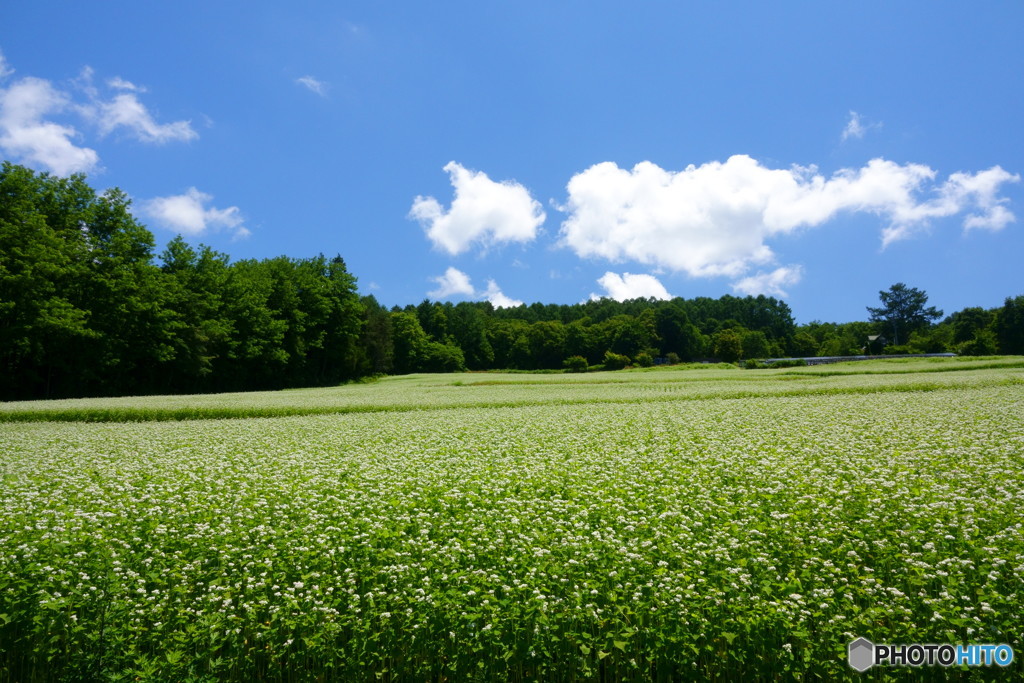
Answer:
(551, 151)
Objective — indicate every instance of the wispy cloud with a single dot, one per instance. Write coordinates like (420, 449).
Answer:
(125, 111)
(5, 68)
(854, 127)
(313, 85)
(118, 83)
(770, 284)
(857, 127)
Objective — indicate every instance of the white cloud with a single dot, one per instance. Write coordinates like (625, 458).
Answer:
(28, 133)
(631, 286)
(854, 128)
(997, 218)
(982, 190)
(857, 128)
(126, 111)
(497, 298)
(118, 83)
(715, 219)
(5, 68)
(188, 214)
(483, 212)
(770, 284)
(26, 136)
(319, 87)
(454, 281)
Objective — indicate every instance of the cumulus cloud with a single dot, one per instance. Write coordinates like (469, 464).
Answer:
(454, 281)
(188, 214)
(483, 212)
(497, 298)
(26, 135)
(770, 284)
(631, 286)
(313, 85)
(715, 219)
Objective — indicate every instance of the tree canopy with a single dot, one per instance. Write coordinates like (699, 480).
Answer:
(903, 311)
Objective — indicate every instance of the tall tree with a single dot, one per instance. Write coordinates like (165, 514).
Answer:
(375, 340)
(409, 342)
(1009, 325)
(903, 311)
(468, 327)
(195, 285)
(41, 260)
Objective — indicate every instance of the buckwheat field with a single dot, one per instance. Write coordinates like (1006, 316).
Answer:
(675, 524)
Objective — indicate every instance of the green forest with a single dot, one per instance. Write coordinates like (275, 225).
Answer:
(88, 308)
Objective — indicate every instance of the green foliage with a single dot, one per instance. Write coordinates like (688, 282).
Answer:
(936, 339)
(982, 344)
(375, 342)
(644, 359)
(409, 342)
(615, 361)
(756, 345)
(469, 333)
(968, 322)
(546, 341)
(894, 350)
(728, 345)
(788, 363)
(575, 364)
(1009, 326)
(439, 357)
(804, 345)
(754, 364)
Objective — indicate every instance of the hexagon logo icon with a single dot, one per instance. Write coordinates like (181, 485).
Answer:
(861, 654)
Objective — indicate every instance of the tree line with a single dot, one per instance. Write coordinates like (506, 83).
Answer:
(88, 308)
